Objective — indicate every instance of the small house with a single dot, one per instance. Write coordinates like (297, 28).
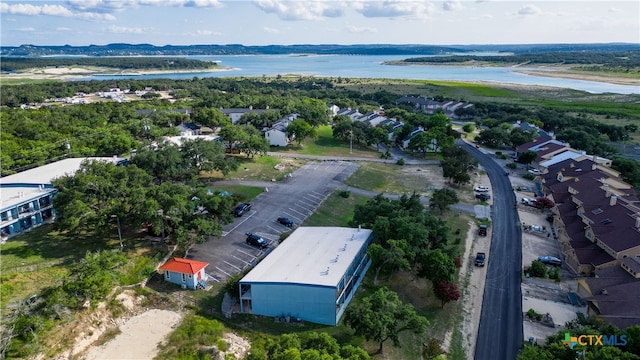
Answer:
(186, 273)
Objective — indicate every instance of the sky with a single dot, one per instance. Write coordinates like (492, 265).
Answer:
(264, 22)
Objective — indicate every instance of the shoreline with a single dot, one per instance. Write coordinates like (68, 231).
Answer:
(558, 71)
(74, 73)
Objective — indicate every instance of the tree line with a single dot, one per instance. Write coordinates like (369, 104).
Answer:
(14, 64)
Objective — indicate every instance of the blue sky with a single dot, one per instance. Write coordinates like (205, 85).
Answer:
(263, 22)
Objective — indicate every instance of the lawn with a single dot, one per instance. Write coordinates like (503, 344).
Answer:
(325, 145)
(39, 258)
(260, 168)
(392, 178)
(335, 210)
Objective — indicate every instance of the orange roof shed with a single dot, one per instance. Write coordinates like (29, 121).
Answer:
(183, 266)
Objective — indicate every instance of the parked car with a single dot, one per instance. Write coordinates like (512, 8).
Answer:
(482, 230)
(535, 172)
(481, 188)
(241, 209)
(483, 196)
(480, 257)
(257, 241)
(285, 221)
(550, 260)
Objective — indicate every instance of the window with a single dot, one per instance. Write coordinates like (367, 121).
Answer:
(167, 275)
(184, 277)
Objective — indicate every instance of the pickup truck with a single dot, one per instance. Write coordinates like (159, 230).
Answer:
(480, 259)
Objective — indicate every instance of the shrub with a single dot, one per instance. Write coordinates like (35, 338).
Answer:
(512, 165)
(531, 313)
(528, 176)
(344, 193)
(400, 161)
(538, 269)
(498, 153)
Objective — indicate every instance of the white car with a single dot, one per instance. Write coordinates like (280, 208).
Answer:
(481, 188)
(535, 171)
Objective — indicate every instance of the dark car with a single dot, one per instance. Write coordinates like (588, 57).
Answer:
(483, 196)
(285, 221)
(257, 241)
(480, 259)
(241, 209)
(550, 260)
(482, 230)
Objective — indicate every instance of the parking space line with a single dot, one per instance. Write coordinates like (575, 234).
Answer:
(303, 207)
(293, 217)
(276, 230)
(209, 276)
(303, 215)
(243, 260)
(313, 196)
(246, 253)
(224, 272)
(317, 193)
(230, 264)
(312, 204)
(240, 223)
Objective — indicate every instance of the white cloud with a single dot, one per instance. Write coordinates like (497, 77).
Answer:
(452, 5)
(63, 28)
(203, 3)
(301, 10)
(361, 29)
(271, 30)
(529, 10)
(205, 32)
(395, 9)
(26, 29)
(124, 30)
(51, 10)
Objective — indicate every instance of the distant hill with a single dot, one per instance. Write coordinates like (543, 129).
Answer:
(237, 49)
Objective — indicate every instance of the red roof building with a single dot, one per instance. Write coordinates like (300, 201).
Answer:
(187, 273)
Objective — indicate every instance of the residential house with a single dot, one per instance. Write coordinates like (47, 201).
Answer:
(189, 274)
(414, 132)
(188, 129)
(596, 215)
(351, 114)
(236, 113)
(277, 134)
(612, 294)
(333, 110)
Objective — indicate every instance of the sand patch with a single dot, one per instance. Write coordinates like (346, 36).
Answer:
(139, 337)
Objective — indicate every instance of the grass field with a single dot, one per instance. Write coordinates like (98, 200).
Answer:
(261, 168)
(335, 210)
(392, 178)
(325, 145)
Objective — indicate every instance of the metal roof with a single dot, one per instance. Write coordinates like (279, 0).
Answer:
(311, 255)
(24, 186)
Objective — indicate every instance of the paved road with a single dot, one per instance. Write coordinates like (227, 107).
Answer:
(500, 333)
(396, 154)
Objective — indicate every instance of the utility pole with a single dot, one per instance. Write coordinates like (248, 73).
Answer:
(351, 142)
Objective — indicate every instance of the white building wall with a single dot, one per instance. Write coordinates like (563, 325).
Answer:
(276, 138)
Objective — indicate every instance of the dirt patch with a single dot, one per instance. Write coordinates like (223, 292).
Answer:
(139, 337)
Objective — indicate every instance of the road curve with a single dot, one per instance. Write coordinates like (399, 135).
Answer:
(500, 333)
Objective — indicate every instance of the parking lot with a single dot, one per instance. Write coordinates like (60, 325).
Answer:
(296, 198)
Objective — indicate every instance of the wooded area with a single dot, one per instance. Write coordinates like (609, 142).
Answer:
(14, 64)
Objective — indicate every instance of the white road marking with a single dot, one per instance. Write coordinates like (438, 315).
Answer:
(233, 266)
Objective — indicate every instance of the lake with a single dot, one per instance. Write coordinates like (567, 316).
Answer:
(370, 66)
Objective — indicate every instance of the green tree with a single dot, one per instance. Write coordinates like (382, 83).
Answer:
(437, 266)
(468, 128)
(233, 136)
(382, 316)
(518, 137)
(299, 129)
(394, 256)
(494, 137)
(527, 157)
(441, 199)
(379, 137)
(93, 277)
(422, 142)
